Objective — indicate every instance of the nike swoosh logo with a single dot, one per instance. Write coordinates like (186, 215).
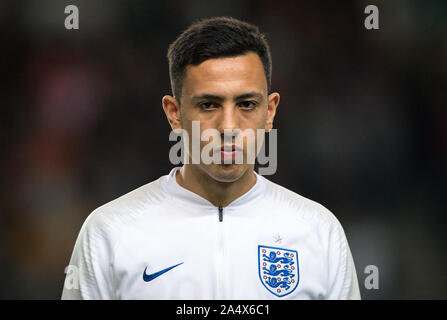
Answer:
(150, 277)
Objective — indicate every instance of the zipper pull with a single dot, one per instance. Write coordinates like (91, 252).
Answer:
(220, 214)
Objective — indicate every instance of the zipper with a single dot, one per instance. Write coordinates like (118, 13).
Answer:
(220, 214)
(221, 257)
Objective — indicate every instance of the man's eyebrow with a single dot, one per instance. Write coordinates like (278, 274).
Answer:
(207, 96)
(248, 95)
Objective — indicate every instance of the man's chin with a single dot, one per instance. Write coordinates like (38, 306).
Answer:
(227, 172)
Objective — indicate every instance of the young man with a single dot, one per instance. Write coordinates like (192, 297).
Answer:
(214, 230)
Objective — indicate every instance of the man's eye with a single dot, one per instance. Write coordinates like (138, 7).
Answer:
(207, 105)
(248, 105)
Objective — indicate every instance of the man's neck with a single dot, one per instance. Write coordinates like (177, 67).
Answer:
(218, 193)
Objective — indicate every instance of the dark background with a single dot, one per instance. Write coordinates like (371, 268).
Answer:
(362, 125)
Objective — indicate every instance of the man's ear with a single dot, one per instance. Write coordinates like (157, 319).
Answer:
(172, 110)
(271, 110)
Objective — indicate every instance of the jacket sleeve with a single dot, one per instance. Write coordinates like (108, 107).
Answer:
(342, 277)
(89, 274)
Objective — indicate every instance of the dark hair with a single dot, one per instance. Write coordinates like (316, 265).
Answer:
(215, 38)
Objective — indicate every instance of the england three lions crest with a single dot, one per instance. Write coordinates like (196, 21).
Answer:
(278, 269)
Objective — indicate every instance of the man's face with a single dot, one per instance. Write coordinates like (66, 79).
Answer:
(227, 94)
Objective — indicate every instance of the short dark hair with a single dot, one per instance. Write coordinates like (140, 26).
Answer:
(215, 38)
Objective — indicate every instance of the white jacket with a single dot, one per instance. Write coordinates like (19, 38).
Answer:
(162, 241)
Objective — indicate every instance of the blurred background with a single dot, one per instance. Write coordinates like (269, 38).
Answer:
(362, 125)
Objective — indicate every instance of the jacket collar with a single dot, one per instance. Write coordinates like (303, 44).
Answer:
(187, 197)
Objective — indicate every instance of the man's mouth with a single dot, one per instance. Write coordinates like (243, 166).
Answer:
(229, 151)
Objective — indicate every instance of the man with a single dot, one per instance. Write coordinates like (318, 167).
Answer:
(214, 230)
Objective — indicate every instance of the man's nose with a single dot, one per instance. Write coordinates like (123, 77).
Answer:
(229, 119)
